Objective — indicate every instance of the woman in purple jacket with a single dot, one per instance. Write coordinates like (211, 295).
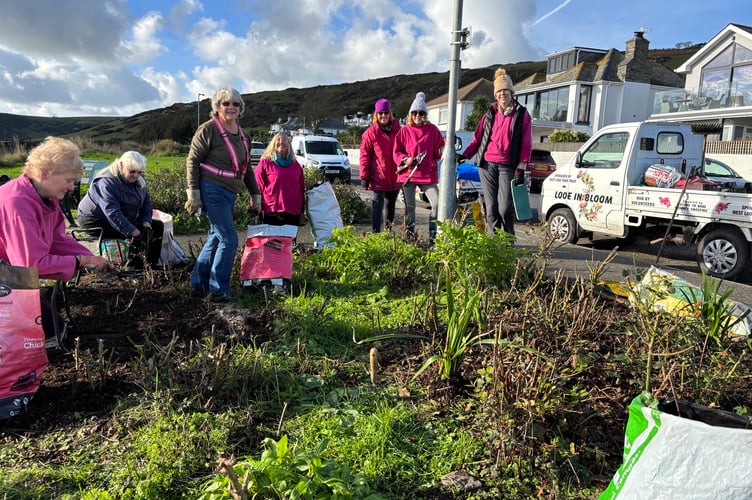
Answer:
(280, 178)
(378, 172)
(417, 151)
(32, 227)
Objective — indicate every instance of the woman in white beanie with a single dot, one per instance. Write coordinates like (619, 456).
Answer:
(503, 141)
(417, 150)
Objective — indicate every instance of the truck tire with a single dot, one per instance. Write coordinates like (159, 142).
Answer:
(562, 226)
(723, 253)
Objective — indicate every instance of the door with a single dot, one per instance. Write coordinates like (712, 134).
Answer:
(600, 187)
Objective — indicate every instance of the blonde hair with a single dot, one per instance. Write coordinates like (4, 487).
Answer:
(272, 146)
(54, 155)
(226, 94)
(376, 117)
(409, 120)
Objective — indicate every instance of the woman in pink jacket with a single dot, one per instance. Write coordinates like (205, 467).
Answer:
(32, 227)
(417, 151)
(378, 172)
(280, 178)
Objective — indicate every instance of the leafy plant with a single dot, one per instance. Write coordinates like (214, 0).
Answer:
(460, 335)
(284, 472)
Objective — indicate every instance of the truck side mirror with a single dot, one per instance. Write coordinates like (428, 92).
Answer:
(299, 152)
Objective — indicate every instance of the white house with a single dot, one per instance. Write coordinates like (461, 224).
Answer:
(718, 85)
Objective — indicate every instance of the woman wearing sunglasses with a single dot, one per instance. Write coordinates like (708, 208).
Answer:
(417, 150)
(218, 170)
(119, 203)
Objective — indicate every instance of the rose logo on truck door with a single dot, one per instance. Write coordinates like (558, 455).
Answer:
(589, 210)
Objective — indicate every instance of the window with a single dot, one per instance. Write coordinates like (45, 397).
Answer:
(606, 152)
(583, 106)
(443, 116)
(727, 78)
(670, 143)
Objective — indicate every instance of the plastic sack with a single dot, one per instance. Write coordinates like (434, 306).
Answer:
(662, 176)
(23, 358)
(668, 456)
(668, 292)
(172, 253)
(267, 254)
(323, 213)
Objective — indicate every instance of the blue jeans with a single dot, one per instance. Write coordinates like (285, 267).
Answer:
(216, 260)
(497, 196)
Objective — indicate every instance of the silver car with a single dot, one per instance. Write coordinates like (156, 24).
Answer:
(720, 172)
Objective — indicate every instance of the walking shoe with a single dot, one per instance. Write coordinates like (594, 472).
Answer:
(199, 292)
(221, 296)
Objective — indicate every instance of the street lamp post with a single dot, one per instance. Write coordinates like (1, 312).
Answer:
(198, 108)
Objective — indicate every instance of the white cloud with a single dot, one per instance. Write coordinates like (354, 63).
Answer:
(145, 45)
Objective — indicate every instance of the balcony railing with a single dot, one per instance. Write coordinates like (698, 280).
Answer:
(680, 101)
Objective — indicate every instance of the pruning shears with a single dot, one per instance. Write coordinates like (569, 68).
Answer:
(416, 160)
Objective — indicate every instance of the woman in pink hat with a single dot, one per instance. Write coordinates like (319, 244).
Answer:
(378, 172)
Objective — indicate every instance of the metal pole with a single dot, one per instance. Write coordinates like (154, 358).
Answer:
(198, 108)
(448, 181)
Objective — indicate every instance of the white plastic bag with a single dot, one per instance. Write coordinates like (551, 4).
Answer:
(668, 457)
(323, 214)
(172, 253)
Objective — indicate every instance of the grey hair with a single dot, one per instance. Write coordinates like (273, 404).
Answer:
(128, 159)
(226, 94)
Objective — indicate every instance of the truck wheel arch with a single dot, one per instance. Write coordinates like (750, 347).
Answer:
(723, 251)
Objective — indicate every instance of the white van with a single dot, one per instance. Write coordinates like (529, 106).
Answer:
(323, 152)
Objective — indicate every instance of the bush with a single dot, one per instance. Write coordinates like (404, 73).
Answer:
(568, 136)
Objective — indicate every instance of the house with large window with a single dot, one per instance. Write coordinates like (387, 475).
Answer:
(583, 89)
(718, 85)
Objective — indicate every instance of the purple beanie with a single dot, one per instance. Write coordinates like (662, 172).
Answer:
(382, 105)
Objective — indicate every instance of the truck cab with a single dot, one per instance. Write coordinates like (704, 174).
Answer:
(589, 193)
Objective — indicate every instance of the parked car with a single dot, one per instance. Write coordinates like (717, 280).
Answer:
(322, 152)
(717, 171)
(257, 149)
(540, 166)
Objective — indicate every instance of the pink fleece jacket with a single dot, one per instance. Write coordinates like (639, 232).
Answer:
(411, 141)
(32, 232)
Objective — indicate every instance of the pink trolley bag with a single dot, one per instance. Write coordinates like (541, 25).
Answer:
(23, 357)
(267, 257)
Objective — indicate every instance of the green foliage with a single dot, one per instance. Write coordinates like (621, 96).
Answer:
(168, 147)
(313, 176)
(566, 135)
(350, 138)
(376, 258)
(480, 105)
(489, 258)
(352, 208)
(283, 472)
(460, 334)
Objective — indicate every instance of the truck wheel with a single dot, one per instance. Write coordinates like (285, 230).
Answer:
(562, 226)
(723, 253)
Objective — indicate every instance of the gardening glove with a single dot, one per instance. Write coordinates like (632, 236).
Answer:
(365, 183)
(193, 204)
(460, 158)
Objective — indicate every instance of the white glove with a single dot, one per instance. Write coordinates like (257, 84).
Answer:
(193, 204)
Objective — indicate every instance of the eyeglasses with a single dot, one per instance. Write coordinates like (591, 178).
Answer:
(419, 113)
(135, 171)
(227, 104)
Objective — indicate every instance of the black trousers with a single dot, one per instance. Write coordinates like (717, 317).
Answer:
(150, 242)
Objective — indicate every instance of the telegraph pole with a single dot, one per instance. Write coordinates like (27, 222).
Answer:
(449, 163)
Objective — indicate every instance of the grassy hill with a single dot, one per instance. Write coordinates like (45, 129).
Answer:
(264, 108)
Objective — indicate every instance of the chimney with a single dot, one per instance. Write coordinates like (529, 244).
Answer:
(635, 67)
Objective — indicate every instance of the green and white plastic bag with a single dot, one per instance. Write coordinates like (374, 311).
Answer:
(669, 457)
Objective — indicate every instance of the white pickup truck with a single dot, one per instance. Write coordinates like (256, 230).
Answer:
(602, 190)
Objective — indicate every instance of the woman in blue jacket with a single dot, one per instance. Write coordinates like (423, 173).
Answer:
(118, 202)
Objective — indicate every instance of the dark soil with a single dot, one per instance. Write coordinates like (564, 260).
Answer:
(115, 314)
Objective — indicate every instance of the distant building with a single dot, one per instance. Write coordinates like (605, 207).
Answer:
(438, 109)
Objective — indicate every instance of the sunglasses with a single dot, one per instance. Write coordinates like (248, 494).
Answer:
(419, 113)
(227, 104)
(384, 113)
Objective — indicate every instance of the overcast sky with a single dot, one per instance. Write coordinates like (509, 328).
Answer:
(122, 57)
